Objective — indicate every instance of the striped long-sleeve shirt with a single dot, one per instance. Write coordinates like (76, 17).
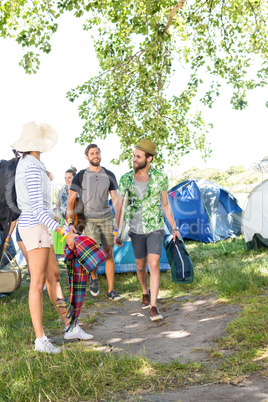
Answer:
(38, 211)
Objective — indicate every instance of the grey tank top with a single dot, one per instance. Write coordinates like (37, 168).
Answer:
(136, 222)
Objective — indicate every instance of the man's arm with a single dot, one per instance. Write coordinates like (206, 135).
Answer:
(120, 200)
(114, 198)
(167, 211)
(70, 206)
(12, 226)
(11, 229)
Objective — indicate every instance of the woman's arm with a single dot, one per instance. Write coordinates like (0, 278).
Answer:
(34, 183)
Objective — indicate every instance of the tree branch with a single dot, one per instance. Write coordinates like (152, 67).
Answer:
(167, 118)
(139, 56)
(173, 11)
(253, 11)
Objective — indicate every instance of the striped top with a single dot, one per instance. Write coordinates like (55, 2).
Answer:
(33, 194)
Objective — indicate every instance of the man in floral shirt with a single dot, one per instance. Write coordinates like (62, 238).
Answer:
(147, 200)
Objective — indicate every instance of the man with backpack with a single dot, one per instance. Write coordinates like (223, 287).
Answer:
(9, 211)
(93, 186)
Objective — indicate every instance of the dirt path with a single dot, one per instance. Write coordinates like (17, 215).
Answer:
(187, 331)
(252, 388)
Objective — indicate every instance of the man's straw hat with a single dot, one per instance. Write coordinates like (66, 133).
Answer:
(147, 146)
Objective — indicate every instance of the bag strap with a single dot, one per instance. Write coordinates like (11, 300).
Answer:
(6, 226)
(12, 260)
(121, 220)
(75, 214)
(172, 255)
(80, 177)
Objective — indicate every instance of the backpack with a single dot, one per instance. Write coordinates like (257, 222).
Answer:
(182, 270)
(79, 217)
(9, 210)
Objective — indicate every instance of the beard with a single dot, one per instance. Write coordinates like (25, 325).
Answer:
(95, 163)
(140, 166)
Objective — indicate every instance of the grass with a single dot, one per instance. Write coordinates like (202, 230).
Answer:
(79, 373)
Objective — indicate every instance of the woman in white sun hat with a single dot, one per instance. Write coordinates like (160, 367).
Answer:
(34, 200)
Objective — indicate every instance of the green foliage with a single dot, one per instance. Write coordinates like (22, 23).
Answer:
(31, 24)
(235, 170)
(236, 179)
(141, 47)
(210, 174)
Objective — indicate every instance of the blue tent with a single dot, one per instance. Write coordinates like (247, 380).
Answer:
(125, 261)
(124, 256)
(205, 211)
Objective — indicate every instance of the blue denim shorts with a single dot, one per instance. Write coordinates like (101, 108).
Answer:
(18, 238)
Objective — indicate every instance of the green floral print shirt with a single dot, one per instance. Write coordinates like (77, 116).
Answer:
(152, 217)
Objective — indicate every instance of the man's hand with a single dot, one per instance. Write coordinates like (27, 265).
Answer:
(118, 241)
(5, 247)
(175, 233)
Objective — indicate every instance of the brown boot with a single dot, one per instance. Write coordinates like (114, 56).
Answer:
(154, 314)
(146, 300)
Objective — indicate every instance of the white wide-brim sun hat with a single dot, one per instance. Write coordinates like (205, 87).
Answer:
(36, 136)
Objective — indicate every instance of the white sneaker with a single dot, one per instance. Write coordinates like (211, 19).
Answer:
(44, 346)
(77, 333)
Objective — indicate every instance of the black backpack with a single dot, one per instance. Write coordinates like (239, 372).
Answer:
(182, 270)
(9, 210)
(79, 217)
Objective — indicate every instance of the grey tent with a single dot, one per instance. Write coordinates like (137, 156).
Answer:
(254, 223)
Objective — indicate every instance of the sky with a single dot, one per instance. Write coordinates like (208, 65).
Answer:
(238, 137)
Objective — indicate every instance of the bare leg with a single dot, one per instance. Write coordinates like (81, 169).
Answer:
(141, 264)
(109, 268)
(25, 254)
(153, 262)
(53, 285)
(38, 259)
(43, 267)
(94, 273)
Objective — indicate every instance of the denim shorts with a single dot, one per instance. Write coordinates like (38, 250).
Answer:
(18, 238)
(148, 243)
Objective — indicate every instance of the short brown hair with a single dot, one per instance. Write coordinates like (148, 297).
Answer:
(91, 146)
(147, 155)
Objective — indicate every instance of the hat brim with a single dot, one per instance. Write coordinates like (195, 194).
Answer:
(145, 150)
(36, 141)
(22, 146)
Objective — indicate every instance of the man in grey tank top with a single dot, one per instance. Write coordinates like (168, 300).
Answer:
(94, 185)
